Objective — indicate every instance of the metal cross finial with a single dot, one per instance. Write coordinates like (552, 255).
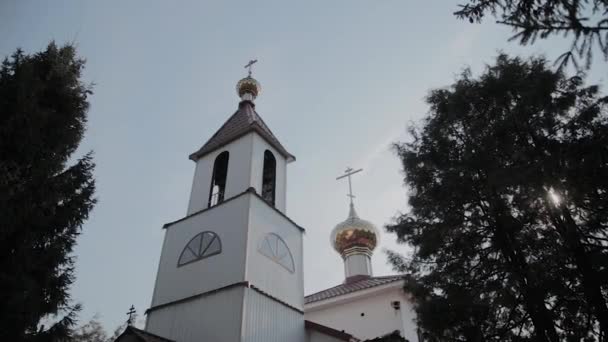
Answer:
(131, 312)
(250, 64)
(347, 173)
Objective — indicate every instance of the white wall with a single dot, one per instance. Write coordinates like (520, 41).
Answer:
(237, 180)
(379, 316)
(216, 317)
(229, 222)
(265, 273)
(265, 320)
(257, 167)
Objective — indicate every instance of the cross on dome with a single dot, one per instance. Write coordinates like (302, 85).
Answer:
(348, 173)
(248, 88)
(130, 313)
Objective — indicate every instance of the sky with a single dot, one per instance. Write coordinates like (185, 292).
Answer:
(341, 81)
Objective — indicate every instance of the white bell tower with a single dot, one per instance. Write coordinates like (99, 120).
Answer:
(231, 269)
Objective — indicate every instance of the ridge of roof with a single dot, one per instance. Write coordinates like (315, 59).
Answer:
(143, 335)
(349, 287)
(243, 121)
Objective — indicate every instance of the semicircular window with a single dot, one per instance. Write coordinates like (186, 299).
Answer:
(276, 249)
(201, 246)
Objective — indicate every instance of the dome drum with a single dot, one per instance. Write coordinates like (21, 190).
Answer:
(356, 251)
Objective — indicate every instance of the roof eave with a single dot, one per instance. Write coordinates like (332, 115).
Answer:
(253, 128)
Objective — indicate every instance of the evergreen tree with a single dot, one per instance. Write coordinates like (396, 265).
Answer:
(45, 195)
(509, 185)
(585, 21)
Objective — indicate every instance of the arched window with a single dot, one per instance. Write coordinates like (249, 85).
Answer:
(218, 180)
(201, 246)
(276, 249)
(269, 177)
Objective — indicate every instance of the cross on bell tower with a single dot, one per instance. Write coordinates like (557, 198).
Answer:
(250, 65)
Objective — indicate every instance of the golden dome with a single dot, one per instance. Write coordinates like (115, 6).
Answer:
(354, 232)
(248, 86)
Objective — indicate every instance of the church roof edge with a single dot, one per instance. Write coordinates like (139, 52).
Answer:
(340, 335)
(350, 287)
(243, 121)
(249, 190)
(142, 335)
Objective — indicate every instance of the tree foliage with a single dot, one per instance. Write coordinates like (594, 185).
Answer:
(45, 195)
(508, 181)
(91, 331)
(585, 21)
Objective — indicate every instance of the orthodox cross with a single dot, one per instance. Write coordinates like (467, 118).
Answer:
(250, 64)
(347, 173)
(130, 313)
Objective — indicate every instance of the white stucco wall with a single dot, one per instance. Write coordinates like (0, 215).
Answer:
(265, 320)
(379, 316)
(216, 317)
(229, 222)
(237, 180)
(265, 273)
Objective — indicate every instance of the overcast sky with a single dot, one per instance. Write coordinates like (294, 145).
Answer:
(341, 81)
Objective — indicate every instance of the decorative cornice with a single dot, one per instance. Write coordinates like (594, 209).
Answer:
(250, 190)
(196, 296)
(245, 284)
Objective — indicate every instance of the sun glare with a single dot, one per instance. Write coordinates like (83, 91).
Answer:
(554, 197)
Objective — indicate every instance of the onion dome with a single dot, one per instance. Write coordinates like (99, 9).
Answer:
(248, 88)
(354, 234)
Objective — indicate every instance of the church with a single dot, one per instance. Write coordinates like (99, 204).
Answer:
(232, 268)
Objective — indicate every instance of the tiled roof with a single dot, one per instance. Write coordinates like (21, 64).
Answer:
(361, 283)
(340, 335)
(142, 335)
(243, 121)
(395, 336)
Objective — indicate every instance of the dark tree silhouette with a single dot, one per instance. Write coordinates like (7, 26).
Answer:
(508, 179)
(586, 21)
(45, 195)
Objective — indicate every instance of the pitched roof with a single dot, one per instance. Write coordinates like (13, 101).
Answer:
(243, 121)
(340, 335)
(395, 336)
(142, 335)
(356, 284)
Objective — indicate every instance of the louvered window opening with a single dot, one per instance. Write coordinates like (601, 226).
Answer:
(201, 246)
(273, 247)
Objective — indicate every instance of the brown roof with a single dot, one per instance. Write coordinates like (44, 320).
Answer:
(352, 285)
(142, 335)
(243, 121)
(395, 336)
(341, 335)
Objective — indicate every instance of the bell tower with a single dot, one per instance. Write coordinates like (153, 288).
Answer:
(231, 269)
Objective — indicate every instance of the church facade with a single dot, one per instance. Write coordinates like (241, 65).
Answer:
(232, 268)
